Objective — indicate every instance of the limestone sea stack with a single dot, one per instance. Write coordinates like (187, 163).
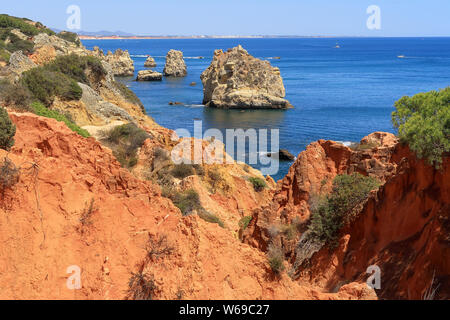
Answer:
(149, 75)
(150, 62)
(235, 79)
(175, 65)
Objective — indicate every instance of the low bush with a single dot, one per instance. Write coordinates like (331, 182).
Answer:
(45, 85)
(15, 95)
(244, 222)
(157, 248)
(7, 130)
(340, 207)
(258, 184)
(9, 174)
(4, 55)
(125, 140)
(187, 201)
(24, 25)
(275, 257)
(43, 111)
(182, 171)
(75, 67)
(141, 286)
(210, 217)
(69, 36)
(423, 122)
(16, 44)
(129, 95)
(363, 146)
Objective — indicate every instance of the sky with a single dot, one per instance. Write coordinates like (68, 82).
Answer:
(243, 17)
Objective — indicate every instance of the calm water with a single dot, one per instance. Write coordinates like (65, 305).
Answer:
(339, 94)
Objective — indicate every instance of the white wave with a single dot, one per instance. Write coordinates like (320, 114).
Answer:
(346, 143)
(194, 105)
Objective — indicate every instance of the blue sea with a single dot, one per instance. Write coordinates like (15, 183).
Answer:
(341, 94)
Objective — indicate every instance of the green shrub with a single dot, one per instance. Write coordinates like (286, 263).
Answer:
(8, 22)
(17, 44)
(45, 85)
(125, 140)
(364, 146)
(275, 257)
(75, 67)
(69, 36)
(15, 95)
(340, 207)
(211, 218)
(244, 222)
(41, 110)
(7, 130)
(187, 201)
(258, 184)
(4, 55)
(423, 122)
(182, 171)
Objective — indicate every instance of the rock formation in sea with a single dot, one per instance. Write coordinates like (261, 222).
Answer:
(175, 65)
(235, 79)
(149, 75)
(121, 62)
(150, 62)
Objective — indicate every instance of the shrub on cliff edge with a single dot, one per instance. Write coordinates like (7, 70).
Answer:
(7, 130)
(340, 207)
(423, 122)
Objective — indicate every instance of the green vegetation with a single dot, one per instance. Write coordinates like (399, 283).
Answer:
(340, 207)
(75, 66)
(60, 78)
(275, 257)
(364, 146)
(182, 171)
(4, 55)
(129, 95)
(69, 36)
(41, 110)
(211, 218)
(187, 201)
(423, 122)
(15, 95)
(244, 222)
(7, 130)
(258, 184)
(45, 85)
(125, 140)
(24, 25)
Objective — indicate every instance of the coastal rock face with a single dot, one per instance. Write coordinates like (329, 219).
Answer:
(149, 75)
(61, 46)
(235, 79)
(150, 63)
(19, 63)
(75, 208)
(175, 65)
(121, 62)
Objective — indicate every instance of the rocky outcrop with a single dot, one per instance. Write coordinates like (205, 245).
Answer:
(75, 208)
(403, 229)
(149, 75)
(19, 63)
(121, 63)
(175, 65)
(150, 62)
(235, 79)
(61, 46)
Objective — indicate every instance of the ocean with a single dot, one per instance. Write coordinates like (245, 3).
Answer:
(341, 94)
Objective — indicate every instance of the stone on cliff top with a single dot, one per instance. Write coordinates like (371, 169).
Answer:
(61, 46)
(175, 65)
(235, 79)
(149, 75)
(150, 62)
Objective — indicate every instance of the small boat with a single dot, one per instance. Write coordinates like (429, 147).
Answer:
(337, 46)
(401, 56)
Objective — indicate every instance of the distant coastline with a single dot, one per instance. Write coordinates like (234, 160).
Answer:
(100, 37)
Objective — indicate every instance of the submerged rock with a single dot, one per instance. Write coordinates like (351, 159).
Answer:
(235, 79)
(150, 62)
(175, 65)
(149, 75)
(283, 155)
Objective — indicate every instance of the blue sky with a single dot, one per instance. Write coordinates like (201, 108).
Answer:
(243, 17)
